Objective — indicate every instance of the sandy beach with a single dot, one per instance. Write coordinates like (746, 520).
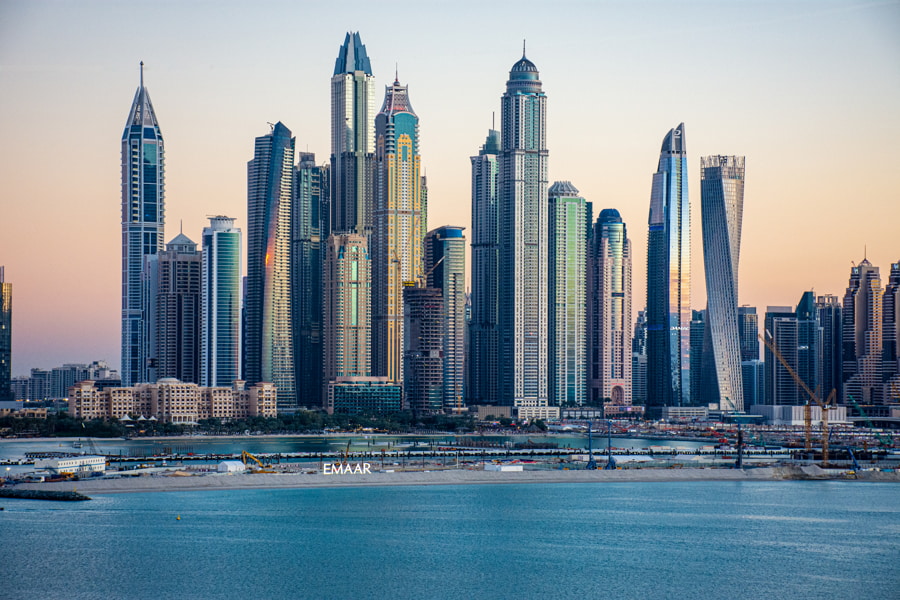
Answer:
(173, 483)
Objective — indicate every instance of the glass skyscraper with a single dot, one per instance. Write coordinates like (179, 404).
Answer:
(398, 235)
(445, 263)
(220, 345)
(269, 349)
(891, 332)
(609, 311)
(722, 207)
(352, 139)
(5, 337)
(567, 267)
(669, 279)
(483, 329)
(523, 272)
(310, 230)
(143, 224)
(862, 335)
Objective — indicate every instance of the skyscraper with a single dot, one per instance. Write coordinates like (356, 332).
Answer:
(445, 264)
(781, 329)
(220, 345)
(891, 333)
(423, 373)
(639, 360)
(5, 337)
(828, 307)
(523, 309)
(269, 344)
(347, 292)
(722, 204)
(143, 223)
(174, 289)
(352, 138)
(609, 311)
(483, 329)
(310, 230)
(748, 331)
(396, 242)
(809, 345)
(862, 333)
(669, 279)
(698, 337)
(566, 320)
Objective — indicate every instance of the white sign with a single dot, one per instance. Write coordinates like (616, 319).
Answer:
(346, 469)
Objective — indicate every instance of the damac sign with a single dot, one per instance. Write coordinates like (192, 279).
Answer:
(346, 469)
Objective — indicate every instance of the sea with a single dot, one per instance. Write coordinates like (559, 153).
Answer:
(697, 540)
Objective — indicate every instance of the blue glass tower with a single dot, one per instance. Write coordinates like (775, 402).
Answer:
(143, 224)
(669, 279)
(220, 349)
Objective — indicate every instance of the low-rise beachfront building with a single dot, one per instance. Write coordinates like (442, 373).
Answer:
(363, 395)
(172, 401)
(75, 465)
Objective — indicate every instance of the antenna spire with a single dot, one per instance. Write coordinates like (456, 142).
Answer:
(523, 47)
(396, 74)
(142, 73)
(493, 119)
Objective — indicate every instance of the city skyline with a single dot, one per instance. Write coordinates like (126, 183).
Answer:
(792, 54)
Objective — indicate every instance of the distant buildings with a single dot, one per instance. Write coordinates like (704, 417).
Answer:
(220, 329)
(445, 267)
(269, 343)
(862, 335)
(722, 201)
(891, 331)
(6, 393)
(523, 268)
(782, 330)
(423, 372)
(143, 223)
(829, 316)
(484, 326)
(669, 279)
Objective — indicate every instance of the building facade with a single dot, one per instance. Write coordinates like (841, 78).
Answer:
(828, 308)
(523, 283)
(862, 335)
(782, 331)
(220, 328)
(445, 266)
(352, 139)
(363, 395)
(423, 373)
(669, 279)
(268, 344)
(397, 238)
(6, 392)
(891, 332)
(310, 230)
(347, 284)
(143, 223)
(722, 208)
(610, 347)
(484, 327)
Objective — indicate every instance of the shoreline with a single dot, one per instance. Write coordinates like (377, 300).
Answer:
(263, 481)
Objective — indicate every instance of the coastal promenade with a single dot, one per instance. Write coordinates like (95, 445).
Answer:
(182, 481)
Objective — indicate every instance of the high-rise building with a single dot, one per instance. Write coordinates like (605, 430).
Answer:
(6, 393)
(722, 204)
(352, 139)
(143, 223)
(829, 317)
(174, 309)
(669, 279)
(782, 331)
(310, 230)
(445, 265)
(220, 337)
(347, 283)
(396, 241)
(639, 360)
(862, 335)
(809, 346)
(523, 287)
(567, 323)
(268, 345)
(483, 329)
(698, 337)
(891, 333)
(748, 331)
(610, 348)
(423, 374)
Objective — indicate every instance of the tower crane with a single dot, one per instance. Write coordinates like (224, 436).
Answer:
(807, 408)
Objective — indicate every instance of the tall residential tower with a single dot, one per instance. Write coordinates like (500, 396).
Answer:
(220, 339)
(143, 224)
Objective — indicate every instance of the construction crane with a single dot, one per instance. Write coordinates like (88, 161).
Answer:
(807, 408)
(886, 442)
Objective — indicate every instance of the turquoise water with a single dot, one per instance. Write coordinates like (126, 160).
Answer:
(699, 540)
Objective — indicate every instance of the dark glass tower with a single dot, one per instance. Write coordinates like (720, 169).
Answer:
(829, 315)
(5, 338)
(269, 348)
(143, 224)
(669, 279)
(310, 230)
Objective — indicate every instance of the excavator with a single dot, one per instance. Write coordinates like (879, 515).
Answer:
(246, 457)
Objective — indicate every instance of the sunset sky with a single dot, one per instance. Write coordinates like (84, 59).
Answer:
(808, 91)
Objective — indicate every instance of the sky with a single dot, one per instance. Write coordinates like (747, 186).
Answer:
(808, 91)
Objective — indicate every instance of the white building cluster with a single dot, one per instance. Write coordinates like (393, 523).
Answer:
(172, 401)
